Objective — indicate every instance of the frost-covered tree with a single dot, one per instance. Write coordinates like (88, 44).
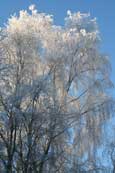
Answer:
(54, 98)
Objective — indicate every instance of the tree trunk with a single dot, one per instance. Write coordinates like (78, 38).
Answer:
(9, 166)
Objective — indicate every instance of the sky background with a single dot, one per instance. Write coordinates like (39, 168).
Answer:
(103, 10)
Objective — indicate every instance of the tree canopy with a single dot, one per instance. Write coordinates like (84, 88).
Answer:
(54, 100)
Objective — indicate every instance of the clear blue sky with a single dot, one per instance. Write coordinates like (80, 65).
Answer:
(104, 10)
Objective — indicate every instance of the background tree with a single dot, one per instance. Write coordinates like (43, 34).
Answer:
(53, 93)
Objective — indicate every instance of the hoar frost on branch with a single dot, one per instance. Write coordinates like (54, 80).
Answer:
(53, 93)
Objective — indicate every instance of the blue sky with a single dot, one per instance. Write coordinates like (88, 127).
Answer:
(103, 10)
